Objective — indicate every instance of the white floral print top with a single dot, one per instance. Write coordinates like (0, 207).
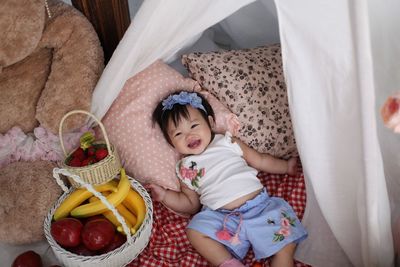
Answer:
(220, 174)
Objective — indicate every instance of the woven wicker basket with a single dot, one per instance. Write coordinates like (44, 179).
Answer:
(118, 257)
(99, 172)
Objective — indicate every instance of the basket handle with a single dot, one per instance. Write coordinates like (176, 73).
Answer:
(90, 188)
(90, 115)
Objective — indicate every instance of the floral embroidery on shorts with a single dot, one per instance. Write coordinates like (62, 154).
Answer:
(191, 173)
(284, 231)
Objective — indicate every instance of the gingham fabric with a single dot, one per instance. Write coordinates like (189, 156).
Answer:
(169, 246)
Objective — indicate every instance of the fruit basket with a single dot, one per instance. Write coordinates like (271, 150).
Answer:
(99, 172)
(119, 257)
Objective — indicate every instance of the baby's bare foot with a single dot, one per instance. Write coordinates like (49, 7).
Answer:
(292, 166)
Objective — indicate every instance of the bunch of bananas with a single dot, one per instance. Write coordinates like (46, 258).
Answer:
(127, 201)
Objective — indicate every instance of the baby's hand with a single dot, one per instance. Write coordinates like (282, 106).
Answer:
(157, 192)
(292, 166)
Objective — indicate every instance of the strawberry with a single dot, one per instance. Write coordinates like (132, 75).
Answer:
(75, 162)
(79, 153)
(91, 151)
(88, 161)
(100, 146)
(101, 153)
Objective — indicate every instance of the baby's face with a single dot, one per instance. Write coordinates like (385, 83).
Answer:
(191, 136)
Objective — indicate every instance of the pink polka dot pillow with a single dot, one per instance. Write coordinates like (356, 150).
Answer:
(144, 152)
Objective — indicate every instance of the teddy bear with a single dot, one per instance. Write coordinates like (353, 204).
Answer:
(50, 61)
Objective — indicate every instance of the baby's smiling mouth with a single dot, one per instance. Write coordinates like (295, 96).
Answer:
(195, 143)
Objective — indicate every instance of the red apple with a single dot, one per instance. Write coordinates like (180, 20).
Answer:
(118, 240)
(91, 218)
(85, 220)
(97, 234)
(67, 232)
(28, 259)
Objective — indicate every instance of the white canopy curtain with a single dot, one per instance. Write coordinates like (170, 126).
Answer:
(159, 30)
(329, 71)
(331, 74)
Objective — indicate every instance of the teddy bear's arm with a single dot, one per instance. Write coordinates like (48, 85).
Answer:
(76, 66)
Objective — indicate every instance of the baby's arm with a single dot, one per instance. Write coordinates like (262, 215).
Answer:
(266, 162)
(185, 201)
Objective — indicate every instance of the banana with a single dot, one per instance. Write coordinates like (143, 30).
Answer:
(130, 219)
(108, 214)
(77, 197)
(99, 207)
(135, 203)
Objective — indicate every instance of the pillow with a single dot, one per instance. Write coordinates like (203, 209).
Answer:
(250, 83)
(144, 152)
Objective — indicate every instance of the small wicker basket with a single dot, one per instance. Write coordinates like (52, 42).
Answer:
(99, 172)
(118, 257)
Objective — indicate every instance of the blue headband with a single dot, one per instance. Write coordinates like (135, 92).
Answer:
(183, 98)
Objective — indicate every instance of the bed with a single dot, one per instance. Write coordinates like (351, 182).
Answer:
(169, 247)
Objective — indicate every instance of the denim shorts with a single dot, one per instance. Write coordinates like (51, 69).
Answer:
(265, 223)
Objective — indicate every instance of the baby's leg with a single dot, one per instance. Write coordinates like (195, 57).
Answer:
(284, 257)
(211, 250)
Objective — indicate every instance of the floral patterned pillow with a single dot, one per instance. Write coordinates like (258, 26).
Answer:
(251, 84)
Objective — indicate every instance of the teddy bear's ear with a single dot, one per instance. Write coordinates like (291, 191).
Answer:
(21, 24)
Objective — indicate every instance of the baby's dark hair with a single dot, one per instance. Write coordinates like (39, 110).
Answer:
(161, 117)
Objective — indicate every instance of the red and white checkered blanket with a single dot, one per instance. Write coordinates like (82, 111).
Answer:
(169, 246)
